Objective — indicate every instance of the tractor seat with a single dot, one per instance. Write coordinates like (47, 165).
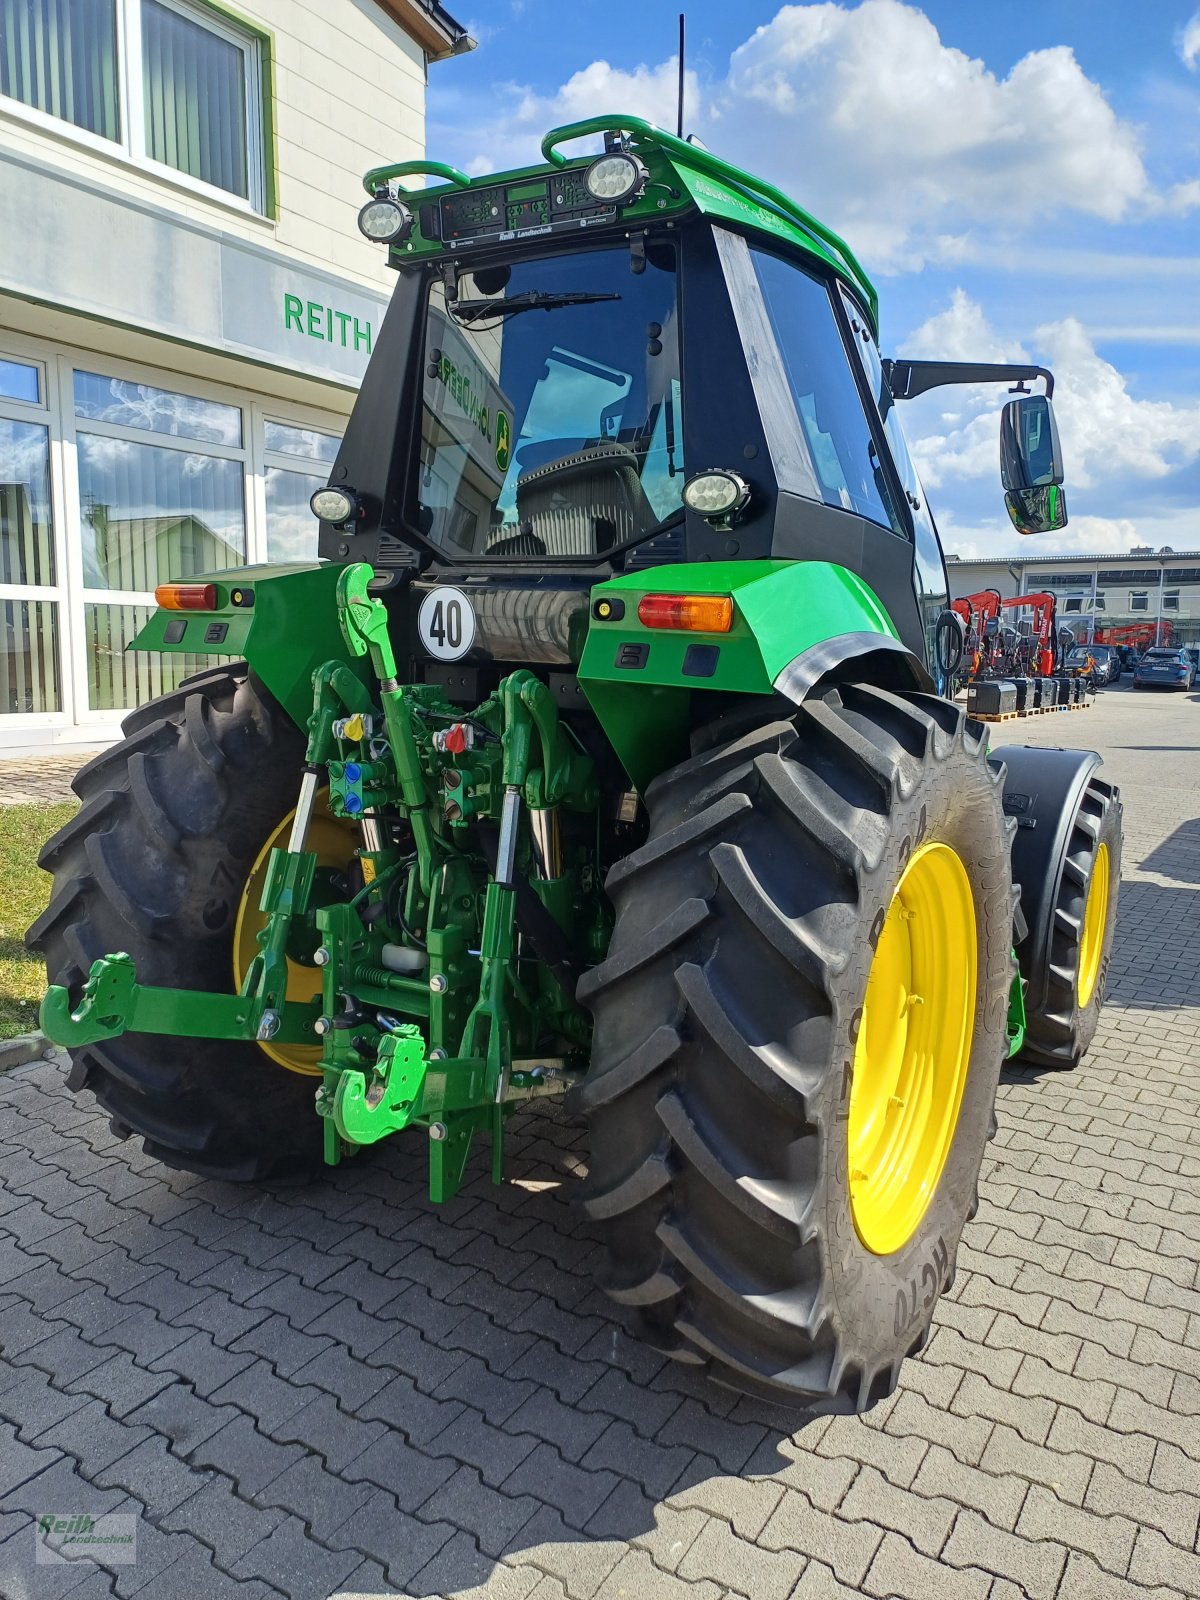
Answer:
(583, 503)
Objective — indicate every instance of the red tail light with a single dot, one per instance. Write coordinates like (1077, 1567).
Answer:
(186, 596)
(698, 613)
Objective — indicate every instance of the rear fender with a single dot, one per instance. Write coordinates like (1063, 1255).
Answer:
(282, 620)
(794, 624)
(1042, 791)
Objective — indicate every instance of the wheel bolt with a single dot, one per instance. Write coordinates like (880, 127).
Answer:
(437, 1131)
(439, 983)
(322, 1025)
(321, 956)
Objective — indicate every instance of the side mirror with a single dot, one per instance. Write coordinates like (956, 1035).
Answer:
(1037, 510)
(1030, 456)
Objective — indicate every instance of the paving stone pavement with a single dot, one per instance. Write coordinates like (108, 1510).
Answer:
(344, 1390)
(41, 779)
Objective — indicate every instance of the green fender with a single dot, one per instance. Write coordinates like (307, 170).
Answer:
(282, 620)
(793, 622)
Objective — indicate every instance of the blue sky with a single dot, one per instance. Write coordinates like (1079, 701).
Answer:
(1021, 181)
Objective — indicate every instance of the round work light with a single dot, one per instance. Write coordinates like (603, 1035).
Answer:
(614, 179)
(334, 505)
(385, 221)
(716, 495)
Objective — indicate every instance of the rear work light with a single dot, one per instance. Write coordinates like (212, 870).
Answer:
(186, 596)
(697, 613)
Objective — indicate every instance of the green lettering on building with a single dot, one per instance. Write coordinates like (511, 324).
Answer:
(331, 326)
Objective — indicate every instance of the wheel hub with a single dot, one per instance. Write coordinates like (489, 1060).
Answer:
(1095, 919)
(913, 1049)
(333, 843)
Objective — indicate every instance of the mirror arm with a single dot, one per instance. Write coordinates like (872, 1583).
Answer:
(907, 379)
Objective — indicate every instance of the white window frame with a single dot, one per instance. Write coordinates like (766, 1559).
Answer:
(1139, 600)
(129, 147)
(1170, 600)
(57, 413)
(43, 415)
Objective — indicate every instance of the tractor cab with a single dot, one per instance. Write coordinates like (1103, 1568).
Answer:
(615, 363)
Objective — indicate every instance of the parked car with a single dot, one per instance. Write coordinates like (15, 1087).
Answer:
(1108, 657)
(1164, 668)
(1083, 662)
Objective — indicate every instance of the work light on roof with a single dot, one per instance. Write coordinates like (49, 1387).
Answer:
(384, 220)
(615, 178)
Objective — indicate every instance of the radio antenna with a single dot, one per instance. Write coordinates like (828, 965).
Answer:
(679, 115)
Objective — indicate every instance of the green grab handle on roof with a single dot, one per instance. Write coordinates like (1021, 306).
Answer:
(704, 161)
(414, 169)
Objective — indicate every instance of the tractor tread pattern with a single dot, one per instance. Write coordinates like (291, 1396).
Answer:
(705, 1118)
(1058, 1035)
(152, 864)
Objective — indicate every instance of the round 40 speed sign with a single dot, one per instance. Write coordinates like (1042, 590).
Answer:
(446, 624)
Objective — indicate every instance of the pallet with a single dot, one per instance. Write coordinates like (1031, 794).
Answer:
(1034, 711)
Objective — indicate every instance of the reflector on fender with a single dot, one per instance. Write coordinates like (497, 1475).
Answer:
(186, 596)
(698, 613)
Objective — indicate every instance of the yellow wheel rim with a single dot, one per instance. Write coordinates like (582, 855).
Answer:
(333, 843)
(913, 1049)
(1095, 920)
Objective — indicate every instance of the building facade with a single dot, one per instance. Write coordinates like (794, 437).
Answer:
(1139, 598)
(186, 307)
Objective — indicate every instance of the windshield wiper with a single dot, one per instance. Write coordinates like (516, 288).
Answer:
(533, 300)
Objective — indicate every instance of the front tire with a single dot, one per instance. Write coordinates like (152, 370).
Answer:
(154, 863)
(729, 1043)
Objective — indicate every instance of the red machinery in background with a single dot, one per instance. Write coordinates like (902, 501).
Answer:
(976, 611)
(1038, 649)
(994, 651)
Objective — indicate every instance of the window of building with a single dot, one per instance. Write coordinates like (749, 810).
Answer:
(297, 463)
(1170, 600)
(1098, 603)
(60, 57)
(111, 482)
(173, 83)
(30, 651)
(161, 496)
(1139, 600)
(20, 380)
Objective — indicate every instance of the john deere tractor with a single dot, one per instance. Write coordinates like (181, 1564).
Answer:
(603, 752)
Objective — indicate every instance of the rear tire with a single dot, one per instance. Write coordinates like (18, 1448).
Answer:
(154, 864)
(1059, 1033)
(726, 1018)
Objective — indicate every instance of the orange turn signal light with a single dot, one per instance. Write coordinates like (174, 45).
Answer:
(697, 613)
(186, 596)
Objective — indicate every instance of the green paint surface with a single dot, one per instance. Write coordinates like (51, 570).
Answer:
(290, 631)
(780, 609)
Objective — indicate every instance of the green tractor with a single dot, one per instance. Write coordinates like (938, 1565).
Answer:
(604, 752)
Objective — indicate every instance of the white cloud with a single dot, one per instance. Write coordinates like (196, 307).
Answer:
(1189, 43)
(902, 142)
(962, 333)
(1108, 434)
(910, 133)
(518, 118)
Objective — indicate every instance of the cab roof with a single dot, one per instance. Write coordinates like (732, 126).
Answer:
(681, 176)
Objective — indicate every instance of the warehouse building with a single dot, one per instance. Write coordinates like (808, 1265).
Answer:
(186, 307)
(1140, 598)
